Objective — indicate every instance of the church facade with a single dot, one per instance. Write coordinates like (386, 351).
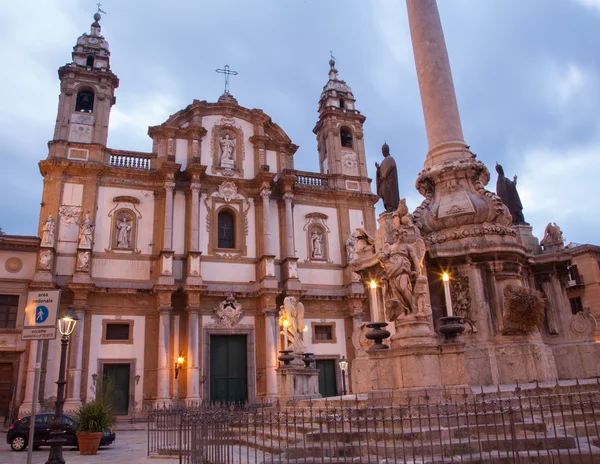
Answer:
(188, 251)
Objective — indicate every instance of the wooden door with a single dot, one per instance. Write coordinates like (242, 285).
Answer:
(6, 386)
(228, 369)
(116, 376)
(327, 378)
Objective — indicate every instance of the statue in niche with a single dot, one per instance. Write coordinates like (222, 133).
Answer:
(48, 230)
(387, 180)
(316, 239)
(85, 232)
(403, 266)
(123, 231)
(227, 145)
(293, 312)
(506, 189)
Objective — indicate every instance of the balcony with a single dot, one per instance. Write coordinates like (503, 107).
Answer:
(312, 179)
(131, 160)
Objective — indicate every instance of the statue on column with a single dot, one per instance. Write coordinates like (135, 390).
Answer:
(292, 311)
(86, 230)
(506, 189)
(387, 180)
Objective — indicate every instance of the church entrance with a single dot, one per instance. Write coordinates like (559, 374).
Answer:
(327, 381)
(117, 376)
(228, 369)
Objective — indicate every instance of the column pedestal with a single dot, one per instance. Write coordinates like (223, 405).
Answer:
(297, 383)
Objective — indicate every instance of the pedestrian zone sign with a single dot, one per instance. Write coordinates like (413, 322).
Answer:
(40, 315)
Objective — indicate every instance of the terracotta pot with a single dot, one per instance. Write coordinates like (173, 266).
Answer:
(89, 442)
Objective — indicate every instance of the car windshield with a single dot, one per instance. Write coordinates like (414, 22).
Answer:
(24, 420)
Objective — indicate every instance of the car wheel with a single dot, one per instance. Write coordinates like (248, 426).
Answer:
(18, 443)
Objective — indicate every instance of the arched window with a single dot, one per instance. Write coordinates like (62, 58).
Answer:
(90, 61)
(226, 230)
(85, 101)
(342, 103)
(346, 138)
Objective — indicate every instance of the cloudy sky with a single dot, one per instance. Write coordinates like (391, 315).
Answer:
(527, 75)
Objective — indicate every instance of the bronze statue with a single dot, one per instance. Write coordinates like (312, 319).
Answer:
(387, 180)
(506, 189)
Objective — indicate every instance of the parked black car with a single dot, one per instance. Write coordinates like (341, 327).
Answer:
(18, 433)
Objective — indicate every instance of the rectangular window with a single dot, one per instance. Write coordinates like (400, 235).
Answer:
(576, 305)
(323, 333)
(9, 306)
(117, 331)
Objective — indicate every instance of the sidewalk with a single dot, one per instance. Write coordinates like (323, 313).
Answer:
(130, 447)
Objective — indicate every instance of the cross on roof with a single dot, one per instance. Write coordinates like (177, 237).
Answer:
(227, 73)
(99, 10)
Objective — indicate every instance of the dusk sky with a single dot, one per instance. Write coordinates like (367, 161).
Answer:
(527, 77)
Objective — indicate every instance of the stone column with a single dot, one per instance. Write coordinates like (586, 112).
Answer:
(30, 382)
(168, 229)
(289, 226)
(75, 362)
(195, 220)
(442, 120)
(165, 360)
(271, 334)
(193, 371)
(266, 195)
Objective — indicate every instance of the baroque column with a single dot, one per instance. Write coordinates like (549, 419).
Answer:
(457, 209)
(166, 262)
(290, 250)
(266, 196)
(81, 293)
(193, 341)
(271, 335)
(164, 343)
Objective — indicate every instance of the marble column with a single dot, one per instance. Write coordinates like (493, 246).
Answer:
(168, 229)
(164, 358)
(290, 250)
(193, 369)
(195, 219)
(271, 334)
(75, 362)
(266, 195)
(442, 120)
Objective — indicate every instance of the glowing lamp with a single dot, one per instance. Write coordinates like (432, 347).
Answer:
(67, 323)
(372, 284)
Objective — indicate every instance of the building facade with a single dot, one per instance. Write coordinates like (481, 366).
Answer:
(190, 250)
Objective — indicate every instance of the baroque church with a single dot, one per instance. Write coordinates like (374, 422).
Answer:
(191, 268)
(189, 251)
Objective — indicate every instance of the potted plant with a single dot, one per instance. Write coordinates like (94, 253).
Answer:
(93, 418)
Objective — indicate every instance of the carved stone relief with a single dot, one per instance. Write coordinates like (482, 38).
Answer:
(69, 215)
(360, 342)
(583, 324)
(83, 261)
(45, 260)
(349, 164)
(228, 314)
(461, 301)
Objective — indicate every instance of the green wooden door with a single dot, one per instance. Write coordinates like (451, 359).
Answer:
(327, 380)
(116, 376)
(228, 369)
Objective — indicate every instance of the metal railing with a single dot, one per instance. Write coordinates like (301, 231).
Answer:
(131, 161)
(536, 426)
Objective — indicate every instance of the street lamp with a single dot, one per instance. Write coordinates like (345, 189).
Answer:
(343, 367)
(66, 326)
(179, 364)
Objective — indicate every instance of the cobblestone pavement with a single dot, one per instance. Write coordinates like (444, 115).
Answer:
(130, 447)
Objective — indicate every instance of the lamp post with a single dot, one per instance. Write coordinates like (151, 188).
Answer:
(66, 325)
(343, 367)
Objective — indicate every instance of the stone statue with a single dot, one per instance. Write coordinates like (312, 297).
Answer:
(317, 244)
(292, 311)
(85, 232)
(506, 189)
(351, 248)
(403, 264)
(123, 232)
(387, 180)
(48, 230)
(227, 146)
(553, 238)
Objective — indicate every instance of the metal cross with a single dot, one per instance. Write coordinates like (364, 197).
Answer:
(99, 10)
(331, 55)
(227, 73)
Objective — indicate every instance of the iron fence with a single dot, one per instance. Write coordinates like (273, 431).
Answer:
(534, 426)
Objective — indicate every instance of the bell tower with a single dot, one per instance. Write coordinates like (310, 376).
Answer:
(339, 134)
(87, 93)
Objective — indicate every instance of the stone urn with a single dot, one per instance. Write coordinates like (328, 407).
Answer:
(378, 334)
(286, 357)
(451, 328)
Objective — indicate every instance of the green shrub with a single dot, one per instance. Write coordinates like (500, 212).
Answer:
(94, 416)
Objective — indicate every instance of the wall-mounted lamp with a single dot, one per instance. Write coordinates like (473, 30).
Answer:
(179, 364)
(94, 378)
(372, 284)
(137, 379)
(344, 368)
